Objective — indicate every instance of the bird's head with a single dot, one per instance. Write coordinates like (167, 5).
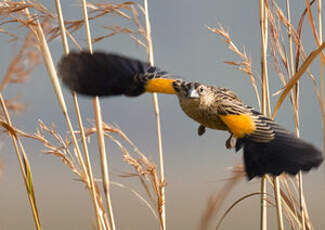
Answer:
(194, 93)
(189, 90)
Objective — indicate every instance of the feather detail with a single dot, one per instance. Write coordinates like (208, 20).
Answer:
(240, 125)
(284, 153)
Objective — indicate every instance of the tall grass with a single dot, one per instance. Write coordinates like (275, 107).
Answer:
(287, 57)
(289, 72)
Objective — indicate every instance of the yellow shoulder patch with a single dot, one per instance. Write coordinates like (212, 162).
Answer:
(160, 85)
(239, 125)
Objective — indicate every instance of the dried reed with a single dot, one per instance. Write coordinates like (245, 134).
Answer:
(289, 61)
(289, 73)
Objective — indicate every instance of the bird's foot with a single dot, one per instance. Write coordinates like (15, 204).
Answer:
(201, 130)
(230, 143)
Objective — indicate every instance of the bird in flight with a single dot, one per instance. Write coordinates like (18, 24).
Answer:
(268, 148)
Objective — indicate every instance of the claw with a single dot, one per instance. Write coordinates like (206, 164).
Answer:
(230, 143)
(201, 130)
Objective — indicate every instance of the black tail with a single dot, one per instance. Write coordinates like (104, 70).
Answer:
(103, 74)
(285, 153)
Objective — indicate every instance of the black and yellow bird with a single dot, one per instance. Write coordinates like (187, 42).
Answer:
(268, 148)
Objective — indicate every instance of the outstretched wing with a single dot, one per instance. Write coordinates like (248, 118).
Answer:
(284, 153)
(108, 74)
(268, 148)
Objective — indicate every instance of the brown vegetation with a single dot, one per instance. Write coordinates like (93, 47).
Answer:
(288, 58)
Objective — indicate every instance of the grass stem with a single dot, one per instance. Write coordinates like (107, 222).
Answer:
(24, 167)
(90, 179)
(278, 202)
(265, 99)
(161, 199)
(100, 133)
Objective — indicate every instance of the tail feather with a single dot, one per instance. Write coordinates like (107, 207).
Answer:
(102, 74)
(285, 153)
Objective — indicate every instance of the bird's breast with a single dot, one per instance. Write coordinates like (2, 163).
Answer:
(202, 114)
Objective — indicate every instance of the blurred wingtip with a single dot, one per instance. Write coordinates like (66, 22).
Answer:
(100, 73)
(287, 154)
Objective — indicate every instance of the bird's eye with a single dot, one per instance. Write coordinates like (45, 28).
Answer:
(201, 90)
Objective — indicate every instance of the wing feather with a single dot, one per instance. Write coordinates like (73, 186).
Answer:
(243, 120)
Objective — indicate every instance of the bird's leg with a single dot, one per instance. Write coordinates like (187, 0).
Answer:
(230, 142)
(201, 130)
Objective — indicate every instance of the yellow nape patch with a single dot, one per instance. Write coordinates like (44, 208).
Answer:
(160, 85)
(239, 125)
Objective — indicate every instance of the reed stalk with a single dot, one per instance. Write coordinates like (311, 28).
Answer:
(100, 133)
(57, 89)
(161, 195)
(322, 65)
(265, 99)
(91, 184)
(24, 166)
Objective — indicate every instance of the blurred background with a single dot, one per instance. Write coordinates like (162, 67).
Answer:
(196, 167)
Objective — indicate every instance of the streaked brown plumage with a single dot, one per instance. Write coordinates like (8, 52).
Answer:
(268, 148)
(211, 102)
(204, 110)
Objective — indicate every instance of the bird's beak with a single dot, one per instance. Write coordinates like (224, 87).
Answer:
(192, 93)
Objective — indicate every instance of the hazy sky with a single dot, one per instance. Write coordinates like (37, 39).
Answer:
(195, 166)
